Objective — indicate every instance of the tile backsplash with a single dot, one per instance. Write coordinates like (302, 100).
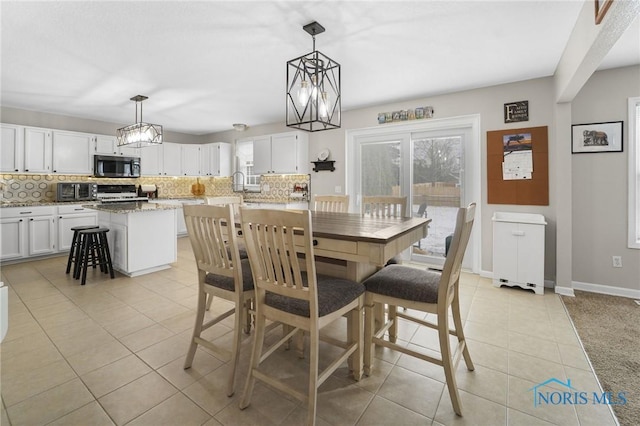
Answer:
(34, 188)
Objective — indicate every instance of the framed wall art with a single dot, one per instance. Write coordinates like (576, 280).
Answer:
(596, 137)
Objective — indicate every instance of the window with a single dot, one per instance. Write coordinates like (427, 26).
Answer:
(244, 164)
(634, 172)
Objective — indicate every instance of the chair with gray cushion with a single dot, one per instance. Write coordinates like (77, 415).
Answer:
(288, 291)
(221, 273)
(425, 291)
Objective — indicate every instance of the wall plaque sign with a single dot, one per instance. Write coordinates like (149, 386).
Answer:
(516, 111)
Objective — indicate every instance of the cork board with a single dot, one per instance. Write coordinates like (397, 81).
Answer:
(533, 191)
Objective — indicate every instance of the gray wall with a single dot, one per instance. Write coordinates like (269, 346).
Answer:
(600, 188)
(488, 102)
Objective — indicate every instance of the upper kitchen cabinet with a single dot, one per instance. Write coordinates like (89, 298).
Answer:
(281, 153)
(108, 145)
(11, 148)
(171, 156)
(151, 160)
(215, 159)
(190, 159)
(72, 153)
(37, 150)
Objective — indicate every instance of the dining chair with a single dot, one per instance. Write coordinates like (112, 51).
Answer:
(331, 203)
(385, 206)
(288, 291)
(425, 291)
(221, 273)
(236, 202)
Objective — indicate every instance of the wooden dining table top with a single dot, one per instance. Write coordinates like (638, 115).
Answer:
(355, 227)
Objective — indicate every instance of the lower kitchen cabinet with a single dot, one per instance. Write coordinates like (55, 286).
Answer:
(27, 231)
(141, 242)
(70, 216)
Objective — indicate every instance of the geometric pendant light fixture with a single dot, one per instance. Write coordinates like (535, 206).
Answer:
(313, 89)
(139, 134)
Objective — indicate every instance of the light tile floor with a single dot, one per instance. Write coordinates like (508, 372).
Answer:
(112, 352)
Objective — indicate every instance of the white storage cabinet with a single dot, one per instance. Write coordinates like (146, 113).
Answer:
(281, 153)
(27, 231)
(518, 250)
(69, 216)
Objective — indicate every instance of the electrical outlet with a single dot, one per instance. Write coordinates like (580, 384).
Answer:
(338, 189)
(617, 261)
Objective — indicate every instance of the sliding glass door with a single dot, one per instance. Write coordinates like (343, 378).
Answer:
(430, 167)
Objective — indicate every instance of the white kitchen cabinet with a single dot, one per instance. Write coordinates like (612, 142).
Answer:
(11, 148)
(108, 145)
(215, 159)
(171, 158)
(281, 153)
(27, 231)
(151, 160)
(518, 250)
(190, 159)
(73, 152)
(70, 216)
(140, 242)
(37, 150)
(181, 226)
(105, 145)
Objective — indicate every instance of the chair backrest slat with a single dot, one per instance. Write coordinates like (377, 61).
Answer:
(274, 238)
(453, 263)
(331, 203)
(384, 206)
(214, 246)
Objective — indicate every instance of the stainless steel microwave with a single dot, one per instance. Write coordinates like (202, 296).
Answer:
(114, 166)
(76, 191)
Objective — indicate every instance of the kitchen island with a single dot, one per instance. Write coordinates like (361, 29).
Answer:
(142, 236)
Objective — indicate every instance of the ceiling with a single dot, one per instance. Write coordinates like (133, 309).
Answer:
(206, 65)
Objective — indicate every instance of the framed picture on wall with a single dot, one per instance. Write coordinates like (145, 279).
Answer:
(596, 137)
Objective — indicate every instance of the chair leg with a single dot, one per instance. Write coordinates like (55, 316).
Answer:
(314, 347)
(246, 314)
(197, 328)
(393, 330)
(256, 353)
(235, 350)
(369, 323)
(447, 362)
(355, 336)
(86, 247)
(457, 323)
(209, 300)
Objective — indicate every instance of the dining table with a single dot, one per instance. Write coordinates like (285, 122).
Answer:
(353, 246)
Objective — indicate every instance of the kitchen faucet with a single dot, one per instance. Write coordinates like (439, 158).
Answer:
(236, 184)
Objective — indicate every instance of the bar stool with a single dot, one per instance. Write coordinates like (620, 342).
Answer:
(94, 251)
(75, 246)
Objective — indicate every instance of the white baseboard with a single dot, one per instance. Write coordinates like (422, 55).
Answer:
(486, 274)
(564, 291)
(606, 289)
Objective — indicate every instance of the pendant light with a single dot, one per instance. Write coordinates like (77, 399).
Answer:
(139, 134)
(313, 89)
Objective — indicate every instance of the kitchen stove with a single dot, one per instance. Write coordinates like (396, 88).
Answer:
(118, 194)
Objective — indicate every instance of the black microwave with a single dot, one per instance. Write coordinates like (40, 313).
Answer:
(113, 166)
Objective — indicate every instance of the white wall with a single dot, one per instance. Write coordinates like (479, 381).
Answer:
(599, 199)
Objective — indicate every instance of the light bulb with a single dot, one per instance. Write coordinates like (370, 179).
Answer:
(323, 106)
(303, 93)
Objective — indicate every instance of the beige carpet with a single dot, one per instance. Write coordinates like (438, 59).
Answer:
(609, 328)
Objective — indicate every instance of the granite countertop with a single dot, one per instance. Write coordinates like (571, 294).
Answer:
(134, 207)
(40, 203)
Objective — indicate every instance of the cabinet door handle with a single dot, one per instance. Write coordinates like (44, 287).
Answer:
(31, 219)
(16, 170)
(25, 212)
(78, 210)
(517, 233)
(59, 217)
(20, 220)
